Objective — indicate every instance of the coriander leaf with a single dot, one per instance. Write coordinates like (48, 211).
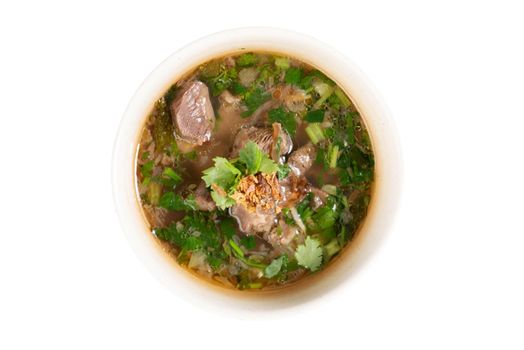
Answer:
(293, 76)
(325, 217)
(192, 243)
(268, 166)
(253, 99)
(274, 268)
(315, 116)
(247, 59)
(238, 89)
(309, 254)
(256, 160)
(222, 200)
(174, 201)
(222, 174)
(287, 119)
(251, 155)
(222, 80)
(307, 82)
(190, 202)
(228, 226)
(248, 242)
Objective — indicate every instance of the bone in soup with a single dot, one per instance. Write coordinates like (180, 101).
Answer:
(254, 171)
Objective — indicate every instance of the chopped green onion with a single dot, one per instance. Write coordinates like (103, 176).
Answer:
(331, 249)
(154, 190)
(254, 285)
(330, 189)
(282, 62)
(170, 173)
(236, 248)
(315, 133)
(324, 90)
(342, 97)
(333, 156)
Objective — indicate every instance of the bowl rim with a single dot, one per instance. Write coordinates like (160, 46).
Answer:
(384, 202)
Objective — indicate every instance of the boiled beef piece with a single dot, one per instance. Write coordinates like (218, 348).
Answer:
(193, 114)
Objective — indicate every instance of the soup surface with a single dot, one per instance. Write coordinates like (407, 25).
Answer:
(254, 170)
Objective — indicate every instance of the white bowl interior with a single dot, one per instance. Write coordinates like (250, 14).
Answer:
(383, 203)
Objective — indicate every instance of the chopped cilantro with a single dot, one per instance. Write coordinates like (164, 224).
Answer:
(252, 156)
(246, 60)
(287, 119)
(283, 171)
(248, 242)
(174, 201)
(254, 99)
(315, 116)
(221, 80)
(228, 226)
(293, 76)
(238, 89)
(325, 217)
(256, 160)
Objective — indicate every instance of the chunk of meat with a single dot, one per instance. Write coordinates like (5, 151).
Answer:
(203, 198)
(263, 137)
(282, 234)
(193, 114)
(294, 189)
(251, 223)
(156, 216)
(302, 159)
(292, 97)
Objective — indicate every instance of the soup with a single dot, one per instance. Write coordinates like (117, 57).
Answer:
(254, 171)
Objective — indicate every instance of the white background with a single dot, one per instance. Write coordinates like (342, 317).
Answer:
(451, 274)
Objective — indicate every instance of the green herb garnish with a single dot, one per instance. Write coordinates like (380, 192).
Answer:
(286, 119)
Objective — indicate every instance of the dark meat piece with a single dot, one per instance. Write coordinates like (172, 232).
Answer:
(203, 198)
(282, 236)
(156, 216)
(294, 189)
(263, 137)
(193, 114)
(253, 222)
(302, 159)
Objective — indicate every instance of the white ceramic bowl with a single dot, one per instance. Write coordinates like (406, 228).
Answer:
(335, 278)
